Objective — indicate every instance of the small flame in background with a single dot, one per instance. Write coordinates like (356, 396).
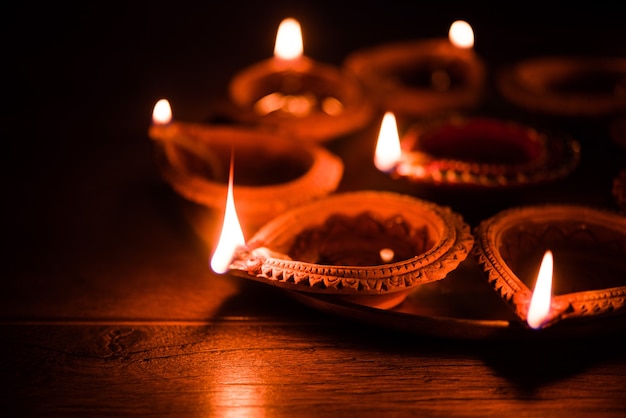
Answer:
(461, 34)
(231, 236)
(388, 151)
(542, 294)
(162, 112)
(288, 40)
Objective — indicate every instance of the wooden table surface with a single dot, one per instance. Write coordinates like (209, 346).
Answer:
(108, 305)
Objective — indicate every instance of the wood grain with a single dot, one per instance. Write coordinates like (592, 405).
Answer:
(297, 368)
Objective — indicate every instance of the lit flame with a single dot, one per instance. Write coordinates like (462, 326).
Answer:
(231, 236)
(461, 34)
(288, 40)
(162, 112)
(388, 152)
(542, 294)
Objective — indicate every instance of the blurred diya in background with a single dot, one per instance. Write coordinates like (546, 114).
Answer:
(294, 95)
(567, 86)
(483, 152)
(365, 247)
(423, 77)
(272, 173)
(574, 256)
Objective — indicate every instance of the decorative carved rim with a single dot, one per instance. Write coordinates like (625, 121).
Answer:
(568, 223)
(265, 259)
(551, 157)
(378, 68)
(531, 84)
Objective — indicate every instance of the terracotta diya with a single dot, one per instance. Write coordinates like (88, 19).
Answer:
(295, 95)
(589, 259)
(483, 152)
(567, 86)
(422, 77)
(366, 247)
(272, 173)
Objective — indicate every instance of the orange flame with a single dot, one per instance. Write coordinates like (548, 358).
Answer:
(542, 294)
(288, 40)
(231, 236)
(162, 112)
(388, 151)
(461, 34)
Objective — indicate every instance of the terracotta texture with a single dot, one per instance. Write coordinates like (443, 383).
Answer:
(589, 247)
(310, 81)
(359, 224)
(272, 175)
(386, 71)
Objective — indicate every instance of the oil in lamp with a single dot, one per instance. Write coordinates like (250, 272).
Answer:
(295, 95)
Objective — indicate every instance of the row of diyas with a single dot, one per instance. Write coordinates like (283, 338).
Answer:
(357, 268)
(309, 100)
(373, 248)
(379, 246)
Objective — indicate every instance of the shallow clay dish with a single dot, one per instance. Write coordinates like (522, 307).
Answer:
(484, 152)
(308, 101)
(567, 86)
(420, 77)
(368, 247)
(589, 248)
(272, 173)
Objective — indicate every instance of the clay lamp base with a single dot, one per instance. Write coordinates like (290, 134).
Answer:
(420, 78)
(589, 251)
(306, 100)
(484, 152)
(365, 247)
(567, 86)
(271, 173)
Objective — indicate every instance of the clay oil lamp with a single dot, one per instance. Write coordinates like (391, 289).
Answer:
(572, 256)
(567, 86)
(365, 247)
(423, 77)
(292, 94)
(273, 173)
(474, 152)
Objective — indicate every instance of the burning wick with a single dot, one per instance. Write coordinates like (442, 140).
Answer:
(289, 43)
(388, 151)
(231, 236)
(162, 112)
(541, 298)
(292, 99)
(461, 34)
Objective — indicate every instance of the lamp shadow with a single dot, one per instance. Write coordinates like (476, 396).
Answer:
(527, 363)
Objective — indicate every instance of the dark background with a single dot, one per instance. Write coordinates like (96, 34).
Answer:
(81, 78)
